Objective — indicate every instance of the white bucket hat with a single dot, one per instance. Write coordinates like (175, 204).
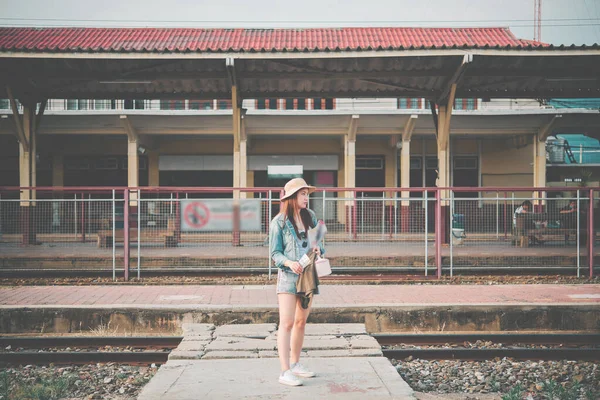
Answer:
(295, 185)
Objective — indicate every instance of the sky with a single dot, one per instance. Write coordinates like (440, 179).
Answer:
(563, 21)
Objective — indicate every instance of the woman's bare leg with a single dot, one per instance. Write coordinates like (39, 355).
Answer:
(298, 330)
(287, 309)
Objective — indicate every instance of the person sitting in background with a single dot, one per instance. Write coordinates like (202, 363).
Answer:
(528, 224)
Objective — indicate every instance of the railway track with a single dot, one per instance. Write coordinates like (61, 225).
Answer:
(139, 350)
(583, 347)
(148, 350)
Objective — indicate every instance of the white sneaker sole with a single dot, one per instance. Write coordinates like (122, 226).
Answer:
(289, 383)
(308, 375)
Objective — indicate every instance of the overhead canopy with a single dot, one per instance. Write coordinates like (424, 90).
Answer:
(347, 62)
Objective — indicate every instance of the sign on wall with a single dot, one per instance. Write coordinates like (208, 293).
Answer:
(216, 215)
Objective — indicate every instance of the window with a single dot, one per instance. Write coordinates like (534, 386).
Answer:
(431, 162)
(317, 104)
(106, 163)
(465, 163)
(261, 104)
(273, 104)
(410, 103)
(301, 104)
(224, 105)
(71, 104)
(465, 104)
(4, 104)
(77, 163)
(416, 163)
(201, 104)
(329, 104)
(169, 104)
(369, 162)
(289, 104)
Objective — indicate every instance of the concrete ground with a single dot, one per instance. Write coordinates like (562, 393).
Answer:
(240, 361)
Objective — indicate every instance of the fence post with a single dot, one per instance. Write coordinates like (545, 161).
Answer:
(139, 230)
(438, 233)
(451, 233)
(425, 200)
(591, 233)
(269, 212)
(177, 218)
(354, 230)
(578, 234)
(82, 218)
(114, 226)
(126, 233)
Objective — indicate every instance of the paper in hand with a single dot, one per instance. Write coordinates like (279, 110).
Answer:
(316, 234)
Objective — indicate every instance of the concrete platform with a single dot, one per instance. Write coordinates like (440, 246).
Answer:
(240, 361)
(338, 378)
(136, 309)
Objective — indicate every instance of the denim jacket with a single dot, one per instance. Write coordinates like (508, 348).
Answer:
(285, 244)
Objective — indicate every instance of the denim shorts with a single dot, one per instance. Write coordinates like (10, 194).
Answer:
(286, 281)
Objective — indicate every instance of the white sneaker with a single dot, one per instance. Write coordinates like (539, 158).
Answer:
(300, 370)
(288, 378)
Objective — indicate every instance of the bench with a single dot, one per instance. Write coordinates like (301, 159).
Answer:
(521, 234)
(169, 235)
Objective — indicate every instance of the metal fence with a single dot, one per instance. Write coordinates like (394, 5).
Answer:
(433, 231)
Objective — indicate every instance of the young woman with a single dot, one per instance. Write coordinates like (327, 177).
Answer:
(289, 243)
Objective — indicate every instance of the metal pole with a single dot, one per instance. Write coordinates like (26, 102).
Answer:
(114, 251)
(578, 234)
(438, 233)
(396, 213)
(505, 230)
(126, 232)
(362, 212)
(139, 231)
(354, 229)
(75, 210)
(451, 231)
(497, 216)
(82, 219)
(591, 233)
(383, 215)
(425, 199)
(269, 233)
(323, 206)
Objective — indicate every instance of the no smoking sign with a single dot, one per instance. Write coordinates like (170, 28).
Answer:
(196, 215)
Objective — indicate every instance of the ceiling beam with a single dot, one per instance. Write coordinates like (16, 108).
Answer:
(17, 119)
(353, 127)
(455, 79)
(409, 127)
(546, 129)
(132, 134)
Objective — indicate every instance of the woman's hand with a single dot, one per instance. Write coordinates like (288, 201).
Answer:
(296, 267)
(317, 250)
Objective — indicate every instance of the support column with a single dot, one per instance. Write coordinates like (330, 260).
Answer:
(153, 171)
(27, 172)
(133, 171)
(539, 160)
(443, 150)
(237, 159)
(133, 160)
(350, 174)
(58, 170)
(407, 132)
(405, 183)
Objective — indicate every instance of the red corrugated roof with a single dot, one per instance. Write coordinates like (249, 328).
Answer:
(248, 40)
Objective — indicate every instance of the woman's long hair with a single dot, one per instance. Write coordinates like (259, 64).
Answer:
(289, 208)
